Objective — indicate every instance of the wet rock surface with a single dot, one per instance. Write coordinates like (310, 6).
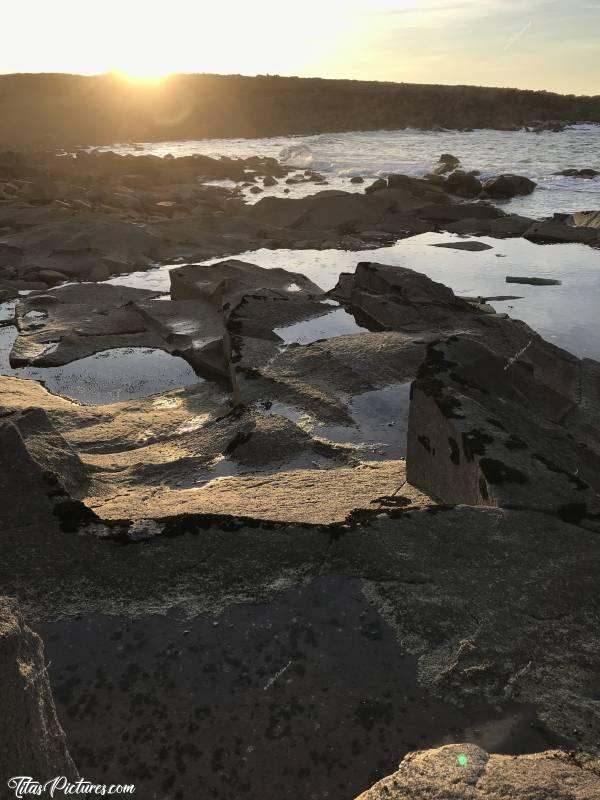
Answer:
(78, 320)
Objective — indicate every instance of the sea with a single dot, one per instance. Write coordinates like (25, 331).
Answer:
(372, 154)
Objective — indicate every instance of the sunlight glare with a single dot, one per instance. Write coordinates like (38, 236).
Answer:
(247, 40)
(150, 76)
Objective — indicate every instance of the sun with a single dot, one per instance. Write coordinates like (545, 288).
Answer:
(142, 70)
(141, 76)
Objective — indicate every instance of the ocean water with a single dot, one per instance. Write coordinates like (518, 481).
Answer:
(371, 154)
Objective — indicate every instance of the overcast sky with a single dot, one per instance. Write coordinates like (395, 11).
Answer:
(539, 44)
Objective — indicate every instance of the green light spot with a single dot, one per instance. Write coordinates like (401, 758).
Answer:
(462, 760)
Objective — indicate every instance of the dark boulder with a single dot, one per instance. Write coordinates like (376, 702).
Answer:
(578, 173)
(506, 186)
(463, 184)
(446, 164)
(380, 183)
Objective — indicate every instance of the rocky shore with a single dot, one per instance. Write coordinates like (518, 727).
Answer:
(326, 551)
(94, 215)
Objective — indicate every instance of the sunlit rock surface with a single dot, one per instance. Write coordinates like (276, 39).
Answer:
(32, 741)
(465, 772)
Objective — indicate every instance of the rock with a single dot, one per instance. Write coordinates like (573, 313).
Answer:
(447, 163)
(193, 329)
(58, 462)
(77, 320)
(586, 219)
(463, 184)
(554, 126)
(124, 200)
(357, 179)
(70, 241)
(436, 178)
(579, 173)
(40, 473)
(108, 205)
(401, 299)
(512, 225)
(417, 187)
(556, 231)
(402, 224)
(322, 379)
(52, 277)
(81, 205)
(450, 160)
(308, 496)
(256, 190)
(343, 212)
(473, 247)
(393, 566)
(380, 183)
(33, 742)
(180, 468)
(486, 430)
(534, 281)
(464, 211)
(258, 313)
(44, 190)
(269, 181)
(506, 186)
(466, 772)
(222, 283)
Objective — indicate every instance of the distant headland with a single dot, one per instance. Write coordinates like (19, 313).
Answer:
(59, 110)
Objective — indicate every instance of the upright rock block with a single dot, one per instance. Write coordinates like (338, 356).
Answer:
(484, 430)
(32, 742)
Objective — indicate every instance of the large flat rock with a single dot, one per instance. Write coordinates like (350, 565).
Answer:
(226, 281)
(77, 320)
(309, 496)
(440, 581)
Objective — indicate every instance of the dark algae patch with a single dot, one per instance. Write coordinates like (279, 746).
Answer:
(297, 695)
(498, 473)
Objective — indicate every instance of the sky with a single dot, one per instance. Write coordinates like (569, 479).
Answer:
(535, 44)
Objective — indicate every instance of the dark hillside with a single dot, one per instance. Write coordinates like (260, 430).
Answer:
(66, 110)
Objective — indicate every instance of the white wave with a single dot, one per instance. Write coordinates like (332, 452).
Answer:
(297, 155)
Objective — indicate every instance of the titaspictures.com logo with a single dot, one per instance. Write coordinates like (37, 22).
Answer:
(26, 786)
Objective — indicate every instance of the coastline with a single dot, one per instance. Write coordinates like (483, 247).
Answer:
(355, 528)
